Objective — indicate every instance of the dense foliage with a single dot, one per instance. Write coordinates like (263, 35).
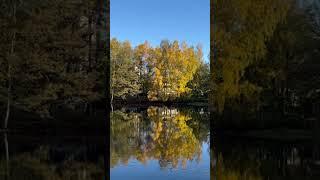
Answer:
(162, 73)
(263, 53)
(51, 53)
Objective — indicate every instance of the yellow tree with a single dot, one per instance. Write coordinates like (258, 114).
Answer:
(241, 30)
(173, 67)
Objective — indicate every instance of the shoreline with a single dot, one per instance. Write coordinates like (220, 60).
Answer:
(272, 134)
(160, 103)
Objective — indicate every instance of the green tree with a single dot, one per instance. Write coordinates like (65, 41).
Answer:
(49, 59)
(141, 55)
(124, 76)
(287, 50)
(200, 82)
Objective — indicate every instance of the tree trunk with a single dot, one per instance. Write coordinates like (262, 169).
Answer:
(90, 40)
(111, 108)
(111, 101)
(9, 71)
(8, 101)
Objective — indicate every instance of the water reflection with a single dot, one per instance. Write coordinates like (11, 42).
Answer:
(51, 158)
(173, 137)
(262, 159)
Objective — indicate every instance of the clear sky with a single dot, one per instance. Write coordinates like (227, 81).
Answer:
(156, 20)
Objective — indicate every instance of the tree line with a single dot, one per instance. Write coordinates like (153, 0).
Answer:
(167, 72)
(52, 52)
(55, 52)
(264, 54)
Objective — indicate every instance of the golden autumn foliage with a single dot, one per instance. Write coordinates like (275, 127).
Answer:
(243, 28)
(159, 73)
(174, 65)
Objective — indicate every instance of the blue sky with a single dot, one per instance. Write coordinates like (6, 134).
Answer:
(155, 20)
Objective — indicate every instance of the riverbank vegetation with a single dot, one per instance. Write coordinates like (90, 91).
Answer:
(169, 72)
(52, 53)
(265, 59)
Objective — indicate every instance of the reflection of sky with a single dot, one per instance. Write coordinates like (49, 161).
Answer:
(151, 170)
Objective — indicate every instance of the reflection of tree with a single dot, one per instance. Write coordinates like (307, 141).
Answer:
(200, 123)
(37, 166)
(164, 135)
(173, 139)
(233, 167)
(124, 136)
(261, 160)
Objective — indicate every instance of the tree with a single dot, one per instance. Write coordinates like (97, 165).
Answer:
(124, 76)
(9, 55)
(141, 54)
(200, 82)
(173, 67)
(287, 50)
(158, 73)
(50, 60)
(242, 30)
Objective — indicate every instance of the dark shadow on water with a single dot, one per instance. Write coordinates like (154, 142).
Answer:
(248, 158)
(62, 121)
(52, 157)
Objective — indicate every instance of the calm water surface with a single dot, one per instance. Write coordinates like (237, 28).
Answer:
(160, 143)
(252, 159)
(52, 157)
(157, 143)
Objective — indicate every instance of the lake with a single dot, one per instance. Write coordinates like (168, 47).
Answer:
(25, 157)
(156, 142)
(160, 142)
(259, 159)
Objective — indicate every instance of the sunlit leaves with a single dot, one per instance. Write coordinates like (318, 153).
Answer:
(174, 65)
(160, 73)
(242, 29)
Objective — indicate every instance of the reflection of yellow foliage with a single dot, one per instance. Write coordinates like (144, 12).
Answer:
(221, 171)
(168, 138)
(157, 129)
(173, 138)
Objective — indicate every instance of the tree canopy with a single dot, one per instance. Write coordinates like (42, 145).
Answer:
(50, 52)
(159, 73)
